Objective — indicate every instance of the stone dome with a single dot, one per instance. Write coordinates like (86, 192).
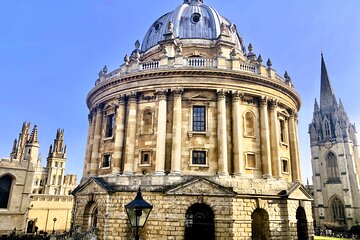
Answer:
(191, 20)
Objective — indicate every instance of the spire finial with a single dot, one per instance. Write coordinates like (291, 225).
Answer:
(327, 96)
(137, 44)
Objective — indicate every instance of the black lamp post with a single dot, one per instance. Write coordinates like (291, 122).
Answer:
(54, 225)
(138, 211)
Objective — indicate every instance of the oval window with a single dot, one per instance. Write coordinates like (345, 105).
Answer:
(195, 18)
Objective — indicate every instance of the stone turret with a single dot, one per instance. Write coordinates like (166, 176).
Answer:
(56, 162)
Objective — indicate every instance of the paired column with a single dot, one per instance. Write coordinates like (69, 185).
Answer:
(131, 136)
(119, 135)
(275, 140)
(176, 139)
(222, 136)
(265, 138)
(237, 135)
(87, 160)
(294, 149)
(96, 142)
(161, 134)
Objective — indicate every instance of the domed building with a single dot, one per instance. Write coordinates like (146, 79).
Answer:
(204, 128)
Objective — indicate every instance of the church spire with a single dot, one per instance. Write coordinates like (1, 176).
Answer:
(327, 96)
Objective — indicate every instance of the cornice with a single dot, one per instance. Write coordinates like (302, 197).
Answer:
(168, 73)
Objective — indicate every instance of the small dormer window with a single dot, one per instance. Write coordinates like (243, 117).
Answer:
(157, 26)
(195, 18)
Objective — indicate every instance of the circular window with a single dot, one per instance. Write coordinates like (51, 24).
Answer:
(195, 18)
(157, 26)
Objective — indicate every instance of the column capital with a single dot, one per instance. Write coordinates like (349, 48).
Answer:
(177, 92)
(263, 101)
(121, 99)
(161, 94)
(132, 97)
(221, 94)
(273, 104)
(237, 96)
(292, 113)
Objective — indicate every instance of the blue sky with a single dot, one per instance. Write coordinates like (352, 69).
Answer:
(51, 53)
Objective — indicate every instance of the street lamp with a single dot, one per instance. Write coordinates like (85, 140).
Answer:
(54, 225)
(138, 211)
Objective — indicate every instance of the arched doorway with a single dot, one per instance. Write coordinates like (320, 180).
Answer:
(90, 215)
(199, 222)
(302, 229)
(30, 227)
(260, 225)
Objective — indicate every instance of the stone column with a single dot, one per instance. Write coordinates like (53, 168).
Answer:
(131, 136)
(237, 135)
(176, 139)
(119, 135)
(275, 140)
(294, 157)
(96, 143)
(222, 136)
(265, 138)
(161, 134)
(90, 139)
(296, 122)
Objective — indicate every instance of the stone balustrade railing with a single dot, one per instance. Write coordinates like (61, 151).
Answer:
(199, 62)
(149, 65)
(186, 63)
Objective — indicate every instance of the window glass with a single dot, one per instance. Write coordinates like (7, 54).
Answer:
(109, 125)
(199, 157)
(199, 119)
(106, 161)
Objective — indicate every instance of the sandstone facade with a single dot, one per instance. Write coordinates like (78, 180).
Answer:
(204, 128)
(32, 195)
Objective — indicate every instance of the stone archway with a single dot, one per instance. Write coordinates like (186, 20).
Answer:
(199, 222)
(302, 228)
(90, 215)
(260, 225)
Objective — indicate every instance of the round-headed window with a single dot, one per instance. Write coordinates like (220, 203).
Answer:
(195, 18)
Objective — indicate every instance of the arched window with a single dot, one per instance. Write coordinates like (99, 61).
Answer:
(302, 229)
(327, 128)
(147, 121)
(260, 225)
(199, 222)
(5, 188)
(332, 168)
(249, 124)
(338, 210)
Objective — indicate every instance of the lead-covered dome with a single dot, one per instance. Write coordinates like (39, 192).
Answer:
(191, 20)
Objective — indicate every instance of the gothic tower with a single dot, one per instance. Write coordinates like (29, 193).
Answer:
(56, 165)
(335, 159)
